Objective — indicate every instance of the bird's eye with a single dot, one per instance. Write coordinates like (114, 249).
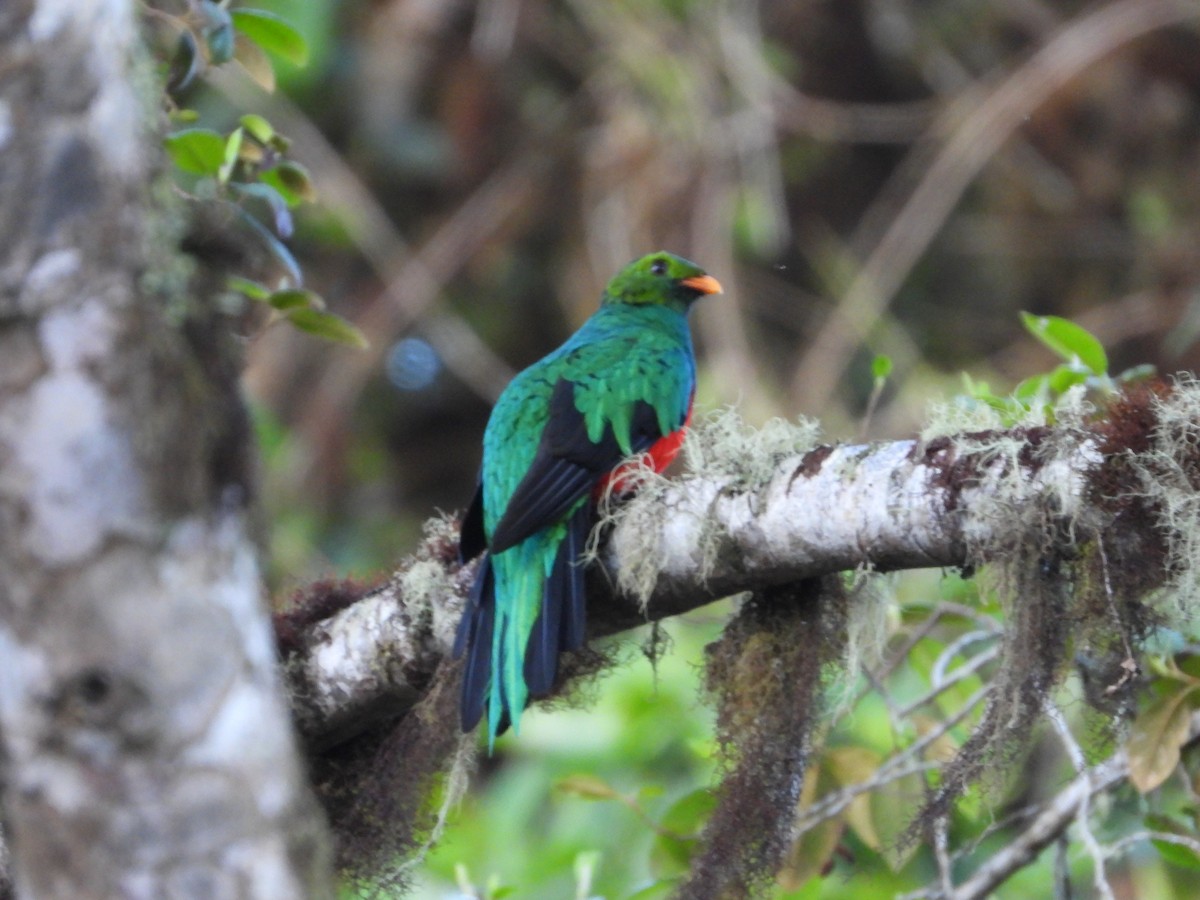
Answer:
(658, 267)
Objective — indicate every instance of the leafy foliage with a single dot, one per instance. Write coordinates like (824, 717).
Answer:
(1085, 364)
(247, 169)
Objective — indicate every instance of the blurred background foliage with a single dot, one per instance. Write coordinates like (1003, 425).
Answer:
(865, 177)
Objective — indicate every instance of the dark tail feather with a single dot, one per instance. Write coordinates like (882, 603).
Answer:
(562, 621)
(574, 619)
(475, 638)
(541, 653)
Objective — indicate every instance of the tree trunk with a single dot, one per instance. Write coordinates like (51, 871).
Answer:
(147, 749)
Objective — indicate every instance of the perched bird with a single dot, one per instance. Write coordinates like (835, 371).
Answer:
(621, 385)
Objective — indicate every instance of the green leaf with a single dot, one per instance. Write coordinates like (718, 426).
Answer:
(258, 127)
(328, 326)
(252, 289)
(673, 847)
(273, 33)
(291, 180)
(1177, 854)
(200, 151)
(233, 145)
(881, 367)
(1068, 340)
(1064, 378)
(291, 299)
(1032, 388)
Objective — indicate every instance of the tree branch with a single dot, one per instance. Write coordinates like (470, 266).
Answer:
(885, 506)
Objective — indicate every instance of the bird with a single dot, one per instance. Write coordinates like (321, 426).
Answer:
(559, 436)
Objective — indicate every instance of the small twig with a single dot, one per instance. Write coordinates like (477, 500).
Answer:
(941, 851)
(899, 766)
(1087, 836)
(1167, 837)
(963, 672)
(937, 674)
(1062, 868)
(835, 803)
(1056, 816)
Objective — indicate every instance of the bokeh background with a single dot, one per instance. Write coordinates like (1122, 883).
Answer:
(865, 177)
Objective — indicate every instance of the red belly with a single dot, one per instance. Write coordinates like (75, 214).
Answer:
(660, 455)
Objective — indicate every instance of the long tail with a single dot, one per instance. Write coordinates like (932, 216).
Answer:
(561, 624)
(475, 639)
(513, 648)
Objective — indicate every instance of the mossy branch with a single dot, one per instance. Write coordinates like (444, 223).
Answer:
(949, 501)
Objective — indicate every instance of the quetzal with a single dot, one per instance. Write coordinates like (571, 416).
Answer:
(621, 385)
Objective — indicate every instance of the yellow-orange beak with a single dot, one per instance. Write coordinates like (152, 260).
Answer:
(704, 284)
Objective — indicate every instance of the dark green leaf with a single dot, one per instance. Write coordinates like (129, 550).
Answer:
(197, 150)
(1069, 341)
(273, 33)
(290, 179)
(1176, 854)
(328, 326)
(674, 846)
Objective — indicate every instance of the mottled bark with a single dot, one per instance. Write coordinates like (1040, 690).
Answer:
(147, 749)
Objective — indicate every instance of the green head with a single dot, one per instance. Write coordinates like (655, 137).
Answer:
(662, 279)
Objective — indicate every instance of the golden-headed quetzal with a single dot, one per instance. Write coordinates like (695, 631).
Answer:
(621, 385)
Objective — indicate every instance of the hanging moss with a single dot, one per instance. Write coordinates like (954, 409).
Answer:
(765, 676)
(387, 792)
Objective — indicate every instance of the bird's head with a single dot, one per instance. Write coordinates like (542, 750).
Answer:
(660, 279)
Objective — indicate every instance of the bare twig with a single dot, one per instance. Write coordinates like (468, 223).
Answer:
(901, 765)
(1055, 817)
